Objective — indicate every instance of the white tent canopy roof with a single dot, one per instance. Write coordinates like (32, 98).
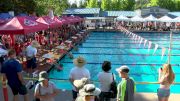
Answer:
(150, 18)
(137, 19)
(165, 19)
(122, 18)
(177, 19)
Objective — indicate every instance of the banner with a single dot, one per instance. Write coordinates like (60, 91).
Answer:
(156, 47)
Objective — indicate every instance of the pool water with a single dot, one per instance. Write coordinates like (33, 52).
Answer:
(122, 50)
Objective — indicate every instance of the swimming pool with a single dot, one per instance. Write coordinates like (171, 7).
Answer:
(121, 50)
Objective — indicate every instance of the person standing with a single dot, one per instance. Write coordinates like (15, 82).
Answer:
(31, 52)
(166, 78)
(126, 88)
(77, 73)
(105, 79)
(45, 90)
(11, 72)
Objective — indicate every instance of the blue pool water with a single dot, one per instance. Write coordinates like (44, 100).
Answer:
(121, 50)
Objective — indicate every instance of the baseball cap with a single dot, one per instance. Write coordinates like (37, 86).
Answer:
(123, 68)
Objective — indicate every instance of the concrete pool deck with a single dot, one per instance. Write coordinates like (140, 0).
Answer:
(66, 96)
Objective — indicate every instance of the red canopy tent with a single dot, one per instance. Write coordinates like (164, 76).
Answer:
(48, 21)
(21, 25)
(56, 18)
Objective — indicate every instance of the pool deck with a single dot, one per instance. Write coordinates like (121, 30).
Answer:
(66, 96)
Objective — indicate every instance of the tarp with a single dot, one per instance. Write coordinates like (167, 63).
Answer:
(165, 19)
(48, 21)
(21, 25)
(137, 19)
(122, 18)
(150, 18)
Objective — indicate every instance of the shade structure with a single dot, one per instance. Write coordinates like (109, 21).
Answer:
(137, 19)
(122, 18)
(48, 21)
(165, 19)
(56, 18)
(150, 18)
(177, 19)
(21, 25)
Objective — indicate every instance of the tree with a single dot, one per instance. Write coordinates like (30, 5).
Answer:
(114, 4)
(128, 4)
(153, 3)
(168, 4)
(141, 4)
(92, 4)
(82, 4)
(74, 5)
(106, 4)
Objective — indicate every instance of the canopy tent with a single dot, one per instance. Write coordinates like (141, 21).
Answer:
(56, 18)
(122, 18)
(21, 25)
(150, 18)
(177, 19)
(95, 18)
(165, 19)
(48, 21)
(137, 19)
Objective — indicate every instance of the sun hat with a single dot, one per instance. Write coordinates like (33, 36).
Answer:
(80, 83)
(89, 89)
(123, 68)
(43, 75)
(79, 62)
(35, 44)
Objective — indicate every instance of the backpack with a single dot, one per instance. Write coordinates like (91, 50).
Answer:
(113, 89)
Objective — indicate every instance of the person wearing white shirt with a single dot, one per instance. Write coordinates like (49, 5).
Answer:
(31, 52)
(77, 73)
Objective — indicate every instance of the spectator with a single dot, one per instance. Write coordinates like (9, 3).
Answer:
(31, 52)
(88, 93)
(105, 78)
(126, 88)
(11, 71)
(45, 90)
(78, 72)
(166, 78)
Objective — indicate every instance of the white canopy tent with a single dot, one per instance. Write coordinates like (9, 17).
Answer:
(165, 19)
(137, 19)
(177, 19)
(122, 18)
(150, 18)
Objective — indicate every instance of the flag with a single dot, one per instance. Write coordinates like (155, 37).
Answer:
(156, 46)
(163, 52)
(149, 46)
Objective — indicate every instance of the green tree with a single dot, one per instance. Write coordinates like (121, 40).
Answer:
(177, 5)
(82, 4)
(153, 3)
(92, 4)
(114, 5)
(141, 4)
(106, 4)
(168, 4)
(128, 4)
